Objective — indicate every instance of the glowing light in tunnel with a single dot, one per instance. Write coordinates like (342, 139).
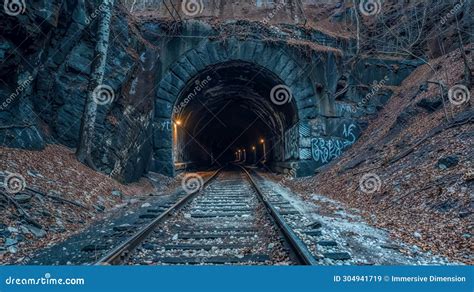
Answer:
(176, 151)
(262, 141)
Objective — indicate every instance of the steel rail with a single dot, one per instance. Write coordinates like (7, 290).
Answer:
(298, 246)
(119, 254)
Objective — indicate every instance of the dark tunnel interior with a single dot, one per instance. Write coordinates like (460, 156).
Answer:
(225, 114)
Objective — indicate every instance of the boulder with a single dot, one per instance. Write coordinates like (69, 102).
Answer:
(448, 162)
(37, 232)
(430, 104)
(22, 198)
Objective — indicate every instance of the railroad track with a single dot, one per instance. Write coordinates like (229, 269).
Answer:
(229, 221)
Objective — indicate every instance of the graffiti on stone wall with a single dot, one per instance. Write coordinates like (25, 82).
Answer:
(305, 154)
(344, 109)
(291, 143)
(164, 126)
(162, 134)
(349, 134)
(326, 149)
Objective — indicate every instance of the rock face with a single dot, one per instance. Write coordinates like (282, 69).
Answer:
(45, 57)
(45, 65)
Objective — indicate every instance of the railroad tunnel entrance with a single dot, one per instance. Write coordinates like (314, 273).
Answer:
(231, 111)
(222, 97)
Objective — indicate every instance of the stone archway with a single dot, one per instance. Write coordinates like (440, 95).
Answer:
(272, 59)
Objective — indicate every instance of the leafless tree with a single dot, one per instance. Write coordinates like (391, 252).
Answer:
(96, 79)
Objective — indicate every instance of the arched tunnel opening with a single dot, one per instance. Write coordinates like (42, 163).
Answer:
(226, 113)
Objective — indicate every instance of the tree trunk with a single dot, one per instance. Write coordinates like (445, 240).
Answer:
(84, 149)
(462, 49)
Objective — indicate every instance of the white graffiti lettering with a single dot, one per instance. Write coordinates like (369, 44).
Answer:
(326, 149)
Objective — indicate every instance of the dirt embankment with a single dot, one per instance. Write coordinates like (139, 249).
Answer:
(418, 155)
(61, 197)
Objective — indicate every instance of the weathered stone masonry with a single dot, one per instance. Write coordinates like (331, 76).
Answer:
(150, 69)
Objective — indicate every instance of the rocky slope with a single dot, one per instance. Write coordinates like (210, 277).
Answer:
(45, 67)
(61, 198)
(411, 171)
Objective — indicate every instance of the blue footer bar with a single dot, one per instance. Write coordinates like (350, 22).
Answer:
(140, 278)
